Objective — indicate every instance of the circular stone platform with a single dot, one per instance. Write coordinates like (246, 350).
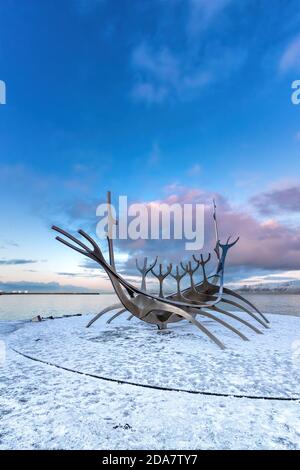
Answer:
(266, 366)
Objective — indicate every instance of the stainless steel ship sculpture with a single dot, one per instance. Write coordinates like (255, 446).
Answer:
(199, 300)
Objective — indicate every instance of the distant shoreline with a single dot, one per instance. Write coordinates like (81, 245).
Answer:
(268, 292)
(55, 293)
(239, 291)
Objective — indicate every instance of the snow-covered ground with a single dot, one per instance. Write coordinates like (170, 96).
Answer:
(45, 407)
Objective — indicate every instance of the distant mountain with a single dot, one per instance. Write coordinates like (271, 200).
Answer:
(40, 287)
(289, 287)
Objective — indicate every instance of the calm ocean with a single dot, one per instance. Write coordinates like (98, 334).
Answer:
(25, 307)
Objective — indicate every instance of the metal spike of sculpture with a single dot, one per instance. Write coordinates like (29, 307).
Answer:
(178, 277)
(197, 301)
(161, 277)
(144, 270)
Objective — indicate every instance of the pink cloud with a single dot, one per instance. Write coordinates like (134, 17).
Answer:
(278, 200)
(266, 244)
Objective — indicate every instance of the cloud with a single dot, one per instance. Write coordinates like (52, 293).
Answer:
(202, 13)
(160, 72)
(89, 264)
(195, 170)
(278, 201)
(149, 93)
(73, 200)
(17, 261)
(82, 209)
(80, 275)
(70, 274)
(283, 278)
(46, 287)
(155, 155)
(162, 63)
(264, 245)
(163, 74)
(167, 70)
(10, 243)
(290, 58)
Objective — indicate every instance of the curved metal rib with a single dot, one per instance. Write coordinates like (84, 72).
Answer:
(240, 297)
(230, 302)
(235, 317)
(116, 315)
(222, 322)
(211, 295)
(107, 309)
(246, 310)
(187, 316)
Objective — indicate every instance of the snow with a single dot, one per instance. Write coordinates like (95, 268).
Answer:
(44, 407)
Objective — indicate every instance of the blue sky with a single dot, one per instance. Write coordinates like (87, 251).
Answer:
(150, 99)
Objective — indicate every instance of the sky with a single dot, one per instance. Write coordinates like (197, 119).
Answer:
(159, 100)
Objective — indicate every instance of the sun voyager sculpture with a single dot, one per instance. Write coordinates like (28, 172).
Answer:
(199, 300)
